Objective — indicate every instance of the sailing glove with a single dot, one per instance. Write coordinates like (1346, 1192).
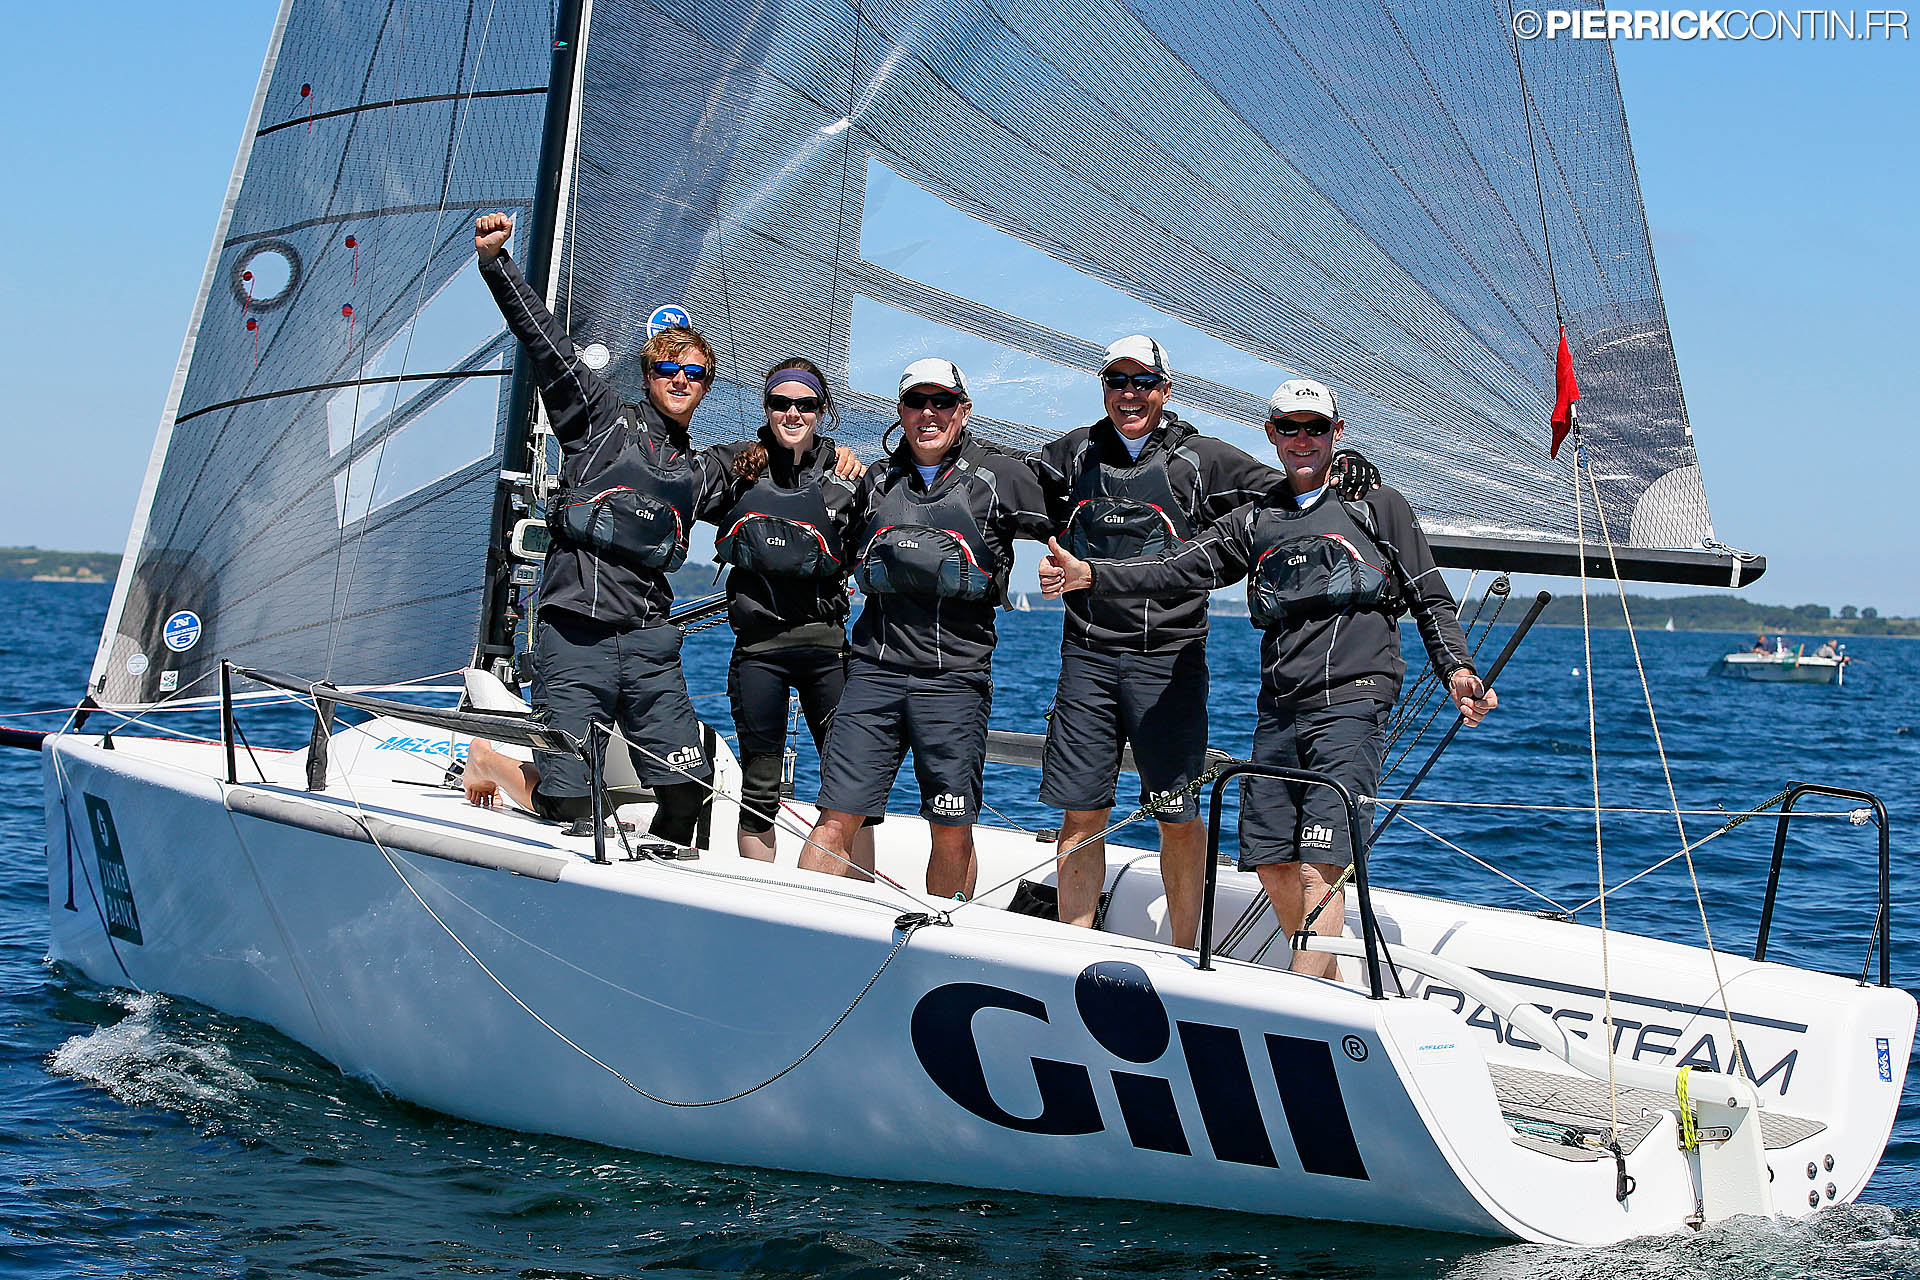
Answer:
(1354, 475)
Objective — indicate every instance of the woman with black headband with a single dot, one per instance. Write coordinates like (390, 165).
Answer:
(785, 536)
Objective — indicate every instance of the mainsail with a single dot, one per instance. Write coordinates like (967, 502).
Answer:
(1273, 188)
(319, 494)
(1405, 202)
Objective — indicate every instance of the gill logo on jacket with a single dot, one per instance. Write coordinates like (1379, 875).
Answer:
(1117, 1004)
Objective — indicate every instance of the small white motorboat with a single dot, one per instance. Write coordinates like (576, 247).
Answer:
(1783, 665)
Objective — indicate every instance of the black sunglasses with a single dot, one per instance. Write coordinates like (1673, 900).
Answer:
(805, 404)
(1139, 381)
(941, 400)
(694, 372)
(1317, 428)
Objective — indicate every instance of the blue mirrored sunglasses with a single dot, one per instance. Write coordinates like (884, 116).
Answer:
(694, 372)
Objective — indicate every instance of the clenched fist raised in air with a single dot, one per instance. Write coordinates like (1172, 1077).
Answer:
(490, 234)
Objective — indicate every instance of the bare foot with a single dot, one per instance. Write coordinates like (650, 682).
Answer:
(481, 789)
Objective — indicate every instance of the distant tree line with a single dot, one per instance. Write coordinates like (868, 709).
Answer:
(59, 566)
(1718, 613)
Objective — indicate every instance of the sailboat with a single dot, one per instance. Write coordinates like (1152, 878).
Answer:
(344, 496)
(1021, 604)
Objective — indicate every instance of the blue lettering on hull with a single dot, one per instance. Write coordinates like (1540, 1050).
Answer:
(424, 747)
(1653, 1042)
(1119, 1007)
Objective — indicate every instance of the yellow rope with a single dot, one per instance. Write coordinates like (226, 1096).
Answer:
(1689, 1131)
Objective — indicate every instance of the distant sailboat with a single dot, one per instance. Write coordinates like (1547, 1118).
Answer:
(1021, 604)
(1669, 625)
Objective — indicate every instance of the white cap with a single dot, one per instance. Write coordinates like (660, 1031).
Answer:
(1304, 395)
(1138, 347)
(934, 372)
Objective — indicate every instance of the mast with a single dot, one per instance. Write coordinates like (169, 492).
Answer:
(501, 600)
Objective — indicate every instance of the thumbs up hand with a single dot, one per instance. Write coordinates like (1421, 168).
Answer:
(1061, 571)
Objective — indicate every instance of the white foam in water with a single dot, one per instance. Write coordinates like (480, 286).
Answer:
(1844, 1243)
(143, 1060)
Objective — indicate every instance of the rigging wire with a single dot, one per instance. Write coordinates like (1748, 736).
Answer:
(1430, 687)
(1481, 862)
(1666, 768)
(1416, 699)
(907, 925)
(1593, 757)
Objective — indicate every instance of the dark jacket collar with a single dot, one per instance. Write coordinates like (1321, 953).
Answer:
(782, 467)
(903, 457)
(1168, 436)
(661, 427)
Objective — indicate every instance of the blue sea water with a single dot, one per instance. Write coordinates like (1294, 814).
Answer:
(143, 1136)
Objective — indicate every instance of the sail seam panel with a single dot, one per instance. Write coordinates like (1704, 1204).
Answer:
(149, 487)
(398, 102)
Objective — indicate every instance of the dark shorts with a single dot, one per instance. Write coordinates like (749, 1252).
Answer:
(1157, 702)
(942, 716)
(1300, 822)
(587, 672)
(758, 685)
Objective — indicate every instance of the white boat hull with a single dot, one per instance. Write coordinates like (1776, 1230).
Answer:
(1781, 668)
(999, 1051)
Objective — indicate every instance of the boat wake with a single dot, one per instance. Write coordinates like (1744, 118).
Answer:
(1857, 1240)
(151, 1059)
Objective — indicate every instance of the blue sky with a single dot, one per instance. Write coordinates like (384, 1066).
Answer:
(1780, 182)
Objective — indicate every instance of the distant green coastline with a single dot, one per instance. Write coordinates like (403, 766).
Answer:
(32, 563)
(1717, 613)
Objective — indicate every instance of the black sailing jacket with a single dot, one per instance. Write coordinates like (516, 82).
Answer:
(586, 414)
(907, 633)
(766, 611)
(1318, 661)
(1209, 478)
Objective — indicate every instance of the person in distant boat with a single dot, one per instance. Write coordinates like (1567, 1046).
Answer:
(631, 487)
(938, 518)
(788, 535)
(1139, 481)
(1827, 649)
(1763, 645)
(1326, 582)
